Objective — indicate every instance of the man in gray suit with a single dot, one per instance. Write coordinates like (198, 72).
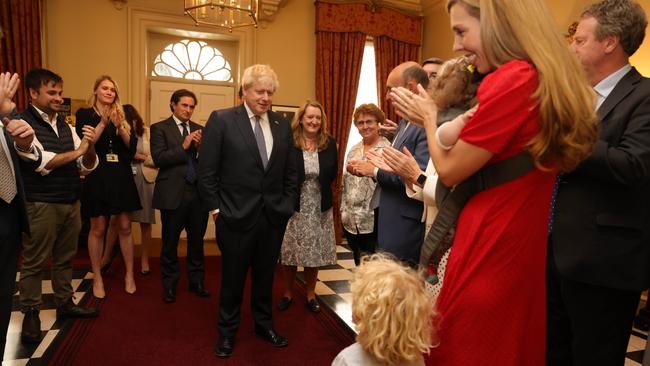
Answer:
(598, 254)
(174, 149)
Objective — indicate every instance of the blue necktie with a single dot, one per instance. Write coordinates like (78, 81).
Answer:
(190, 173)
(261, 144)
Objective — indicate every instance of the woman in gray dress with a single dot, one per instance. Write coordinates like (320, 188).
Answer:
(309, 239)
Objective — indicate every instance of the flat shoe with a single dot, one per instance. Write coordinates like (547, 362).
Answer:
(284, 303)
(313, 306)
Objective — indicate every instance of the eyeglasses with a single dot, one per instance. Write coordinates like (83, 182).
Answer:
(368, 122)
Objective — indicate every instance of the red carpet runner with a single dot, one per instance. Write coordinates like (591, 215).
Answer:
(142, 330)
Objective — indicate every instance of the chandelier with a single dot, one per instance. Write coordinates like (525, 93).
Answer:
(227, 14)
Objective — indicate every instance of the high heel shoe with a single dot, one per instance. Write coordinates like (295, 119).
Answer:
(129, 286)
(98, 290)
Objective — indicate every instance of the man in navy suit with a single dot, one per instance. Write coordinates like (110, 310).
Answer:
(249, 183)
(599, 252)
(400, 230)
(174, 149)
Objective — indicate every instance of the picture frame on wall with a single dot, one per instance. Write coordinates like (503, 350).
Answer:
(287, 111)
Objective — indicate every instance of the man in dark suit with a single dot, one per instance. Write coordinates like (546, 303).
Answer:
(598, 254)
(15, 134)
(174, 149)
(248, 182)
(400, 230)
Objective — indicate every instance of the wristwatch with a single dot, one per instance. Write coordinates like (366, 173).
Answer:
(421, 179)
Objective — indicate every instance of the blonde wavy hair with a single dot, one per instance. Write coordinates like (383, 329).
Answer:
(524, 29)
(296, 126)
(116, 105)
(392, 311)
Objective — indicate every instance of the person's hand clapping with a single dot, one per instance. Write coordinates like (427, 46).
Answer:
(416, 108)
(388, 129)
(403, 163)
(8, 86)
(376, 158)
(20, 131)
(360, 168)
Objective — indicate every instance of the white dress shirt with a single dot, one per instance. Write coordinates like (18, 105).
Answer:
(49, 155)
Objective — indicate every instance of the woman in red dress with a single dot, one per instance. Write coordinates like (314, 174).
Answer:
(534, 98)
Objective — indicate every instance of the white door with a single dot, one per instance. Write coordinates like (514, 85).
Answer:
(209, 98)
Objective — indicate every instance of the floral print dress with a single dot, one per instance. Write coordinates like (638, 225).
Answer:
(309, 238)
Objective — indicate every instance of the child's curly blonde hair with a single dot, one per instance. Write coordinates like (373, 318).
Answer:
(455, 87)
(392, 311)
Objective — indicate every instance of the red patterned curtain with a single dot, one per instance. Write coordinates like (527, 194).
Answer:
(338, 66)
(390, 52)
(21, 46)
(341, 33)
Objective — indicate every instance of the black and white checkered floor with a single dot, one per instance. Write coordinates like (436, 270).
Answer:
(333, 290)
(18, 354)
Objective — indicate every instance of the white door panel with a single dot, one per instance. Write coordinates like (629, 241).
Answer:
(210, 98)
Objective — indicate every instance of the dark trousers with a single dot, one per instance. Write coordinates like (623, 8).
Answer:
(361, 244)
(189, 217)
(9, 248)
(586, 324)
(258, 249)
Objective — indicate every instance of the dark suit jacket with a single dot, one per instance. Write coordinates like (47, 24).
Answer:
(168, 154)
(232, 177)
(20, 198)
(328, 167)
(601, 231)
(400, 227)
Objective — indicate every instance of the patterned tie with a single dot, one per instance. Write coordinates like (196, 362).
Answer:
(7, 181)
(259, 138)
(190, 173)
(551, 215)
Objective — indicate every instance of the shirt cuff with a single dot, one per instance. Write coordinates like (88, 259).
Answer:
(30, 154)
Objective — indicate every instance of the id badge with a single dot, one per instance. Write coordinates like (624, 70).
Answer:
(134, 170)
(112, 158)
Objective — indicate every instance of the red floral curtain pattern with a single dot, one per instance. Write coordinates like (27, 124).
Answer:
(341, 33)
(21, 46)
(333, 17)
(389, 53)
(338, 66)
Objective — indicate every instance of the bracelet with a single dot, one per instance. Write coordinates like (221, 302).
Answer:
(26, 151)
(439, 143)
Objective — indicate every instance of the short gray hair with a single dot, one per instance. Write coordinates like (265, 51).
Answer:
(623, 18)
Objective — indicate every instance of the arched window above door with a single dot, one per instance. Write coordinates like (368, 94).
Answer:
(194, 60)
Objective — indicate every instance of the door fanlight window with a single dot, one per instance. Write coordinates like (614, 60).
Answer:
(193, 60)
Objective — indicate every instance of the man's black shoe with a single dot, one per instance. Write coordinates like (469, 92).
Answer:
(169, 295)
(224, 347)
(199, 290)
(70, 310)
(271, 336)
(31, 331)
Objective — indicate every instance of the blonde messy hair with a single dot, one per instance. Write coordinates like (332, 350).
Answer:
(392, 311)
(454, 86)
(524, 30)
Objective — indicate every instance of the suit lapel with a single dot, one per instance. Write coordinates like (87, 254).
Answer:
(244, 125)
(275, 132)
(174, 132)
(621, 90)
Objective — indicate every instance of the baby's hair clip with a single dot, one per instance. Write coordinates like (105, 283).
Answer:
(471, 68)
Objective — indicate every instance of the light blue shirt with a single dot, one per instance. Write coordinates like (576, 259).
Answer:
(605, 86)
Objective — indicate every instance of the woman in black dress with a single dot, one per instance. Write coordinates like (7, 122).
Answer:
(109, 189)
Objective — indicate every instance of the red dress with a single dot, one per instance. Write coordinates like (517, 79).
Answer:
(492, 305)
